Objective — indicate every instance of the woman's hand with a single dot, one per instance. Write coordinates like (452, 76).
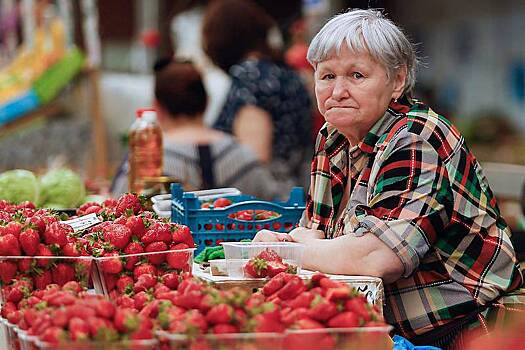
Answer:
(271, 236)
(304, 235)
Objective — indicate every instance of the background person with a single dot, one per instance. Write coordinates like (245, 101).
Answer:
(267, 107)
(194, 153)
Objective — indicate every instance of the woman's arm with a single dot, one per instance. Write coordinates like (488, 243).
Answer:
(365, 255)
(253, 127)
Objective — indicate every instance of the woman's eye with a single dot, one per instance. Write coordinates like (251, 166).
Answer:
(328, 76)
(357, 75)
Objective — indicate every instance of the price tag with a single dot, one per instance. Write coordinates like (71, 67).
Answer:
(83, 222)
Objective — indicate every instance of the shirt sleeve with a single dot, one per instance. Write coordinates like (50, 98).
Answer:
(410, 200)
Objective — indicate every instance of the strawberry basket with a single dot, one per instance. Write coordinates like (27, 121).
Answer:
(22, 274)
(241, 219)
(115, 275)
(304, 339)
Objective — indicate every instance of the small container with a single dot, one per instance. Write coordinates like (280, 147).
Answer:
(376, 338)
(104, 277)
(218, 267)
(146, 344)
(238, 254)
(234, 341)
(77, 269)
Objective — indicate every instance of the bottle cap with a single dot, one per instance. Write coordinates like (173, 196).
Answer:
(140, 111)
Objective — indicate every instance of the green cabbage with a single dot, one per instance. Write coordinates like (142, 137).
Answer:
(61, 188)
(18, 185)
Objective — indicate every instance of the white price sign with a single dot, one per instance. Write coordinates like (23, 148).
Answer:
(83, 222)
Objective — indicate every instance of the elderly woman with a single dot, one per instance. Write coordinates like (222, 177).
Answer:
(395, 192)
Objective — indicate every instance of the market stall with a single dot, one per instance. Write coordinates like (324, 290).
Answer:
(113, 275)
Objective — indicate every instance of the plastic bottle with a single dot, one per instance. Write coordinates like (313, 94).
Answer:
(145, 149)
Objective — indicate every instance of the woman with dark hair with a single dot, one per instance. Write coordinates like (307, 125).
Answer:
(267, 107)
(195, 154)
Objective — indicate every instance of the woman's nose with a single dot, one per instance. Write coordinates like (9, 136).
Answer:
(341, 89)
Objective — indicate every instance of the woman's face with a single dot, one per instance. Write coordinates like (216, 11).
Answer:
(353, 91)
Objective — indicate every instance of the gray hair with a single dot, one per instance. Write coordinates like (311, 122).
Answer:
(367, 31)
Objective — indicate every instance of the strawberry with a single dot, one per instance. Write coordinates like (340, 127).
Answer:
(38, 223)
(56, 233)
(128, 203)
(136, 226)
(221, 313)
(7, 308)
(124, 284)
(275, 267)
(29, 240)
(72, 286)
(117, 235)
(221, 202)
(41, 281)
(101, 329)
(111, 265)
(53, 335)
(43, 250)
(140, 299)
(145, 330)
(179, 260)
(14, 228)
(144, 282)
(256, 268)
(195, 320)
(105, 309)
(144, 269)
(125, 301)
(359, 306)
(273, 285)
(131, 249)
(7, 271)
(268, 322)
(63, 273)
(71, 249)
(25, 265)
(78, 329)
(171, 280)
(322, 309)
(303, 300)
(126, 320)
(9, 245)
(14, 317)
(225, 329)
(344, 320)
(16, 294)
(159, 231)
(182, 234)
(290, 316)
(109, 203)
(327, 283)
(82, 311)
(269, 255)
(291, 289)
(153, 247)
(82, 209)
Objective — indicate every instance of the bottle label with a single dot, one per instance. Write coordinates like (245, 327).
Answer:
(83, 222)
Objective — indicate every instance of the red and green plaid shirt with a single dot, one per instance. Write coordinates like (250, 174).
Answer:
(417, 187)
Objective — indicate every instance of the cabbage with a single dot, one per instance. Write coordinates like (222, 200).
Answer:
(61, 188)
(18, 185)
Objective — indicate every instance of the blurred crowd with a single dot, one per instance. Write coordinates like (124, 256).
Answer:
(235, 106)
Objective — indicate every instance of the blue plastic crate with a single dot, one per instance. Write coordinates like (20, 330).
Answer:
(211, 225)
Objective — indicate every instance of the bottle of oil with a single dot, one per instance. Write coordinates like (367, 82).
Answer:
(145, 149)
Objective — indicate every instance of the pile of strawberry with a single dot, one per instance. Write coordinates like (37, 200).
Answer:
(62, 314)
(284, 305)
(267, 264)
(134, 242)
(26, 232)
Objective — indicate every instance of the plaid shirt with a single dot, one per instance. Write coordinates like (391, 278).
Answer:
(416, 186)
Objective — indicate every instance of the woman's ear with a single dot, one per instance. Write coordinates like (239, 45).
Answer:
(400, 78)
